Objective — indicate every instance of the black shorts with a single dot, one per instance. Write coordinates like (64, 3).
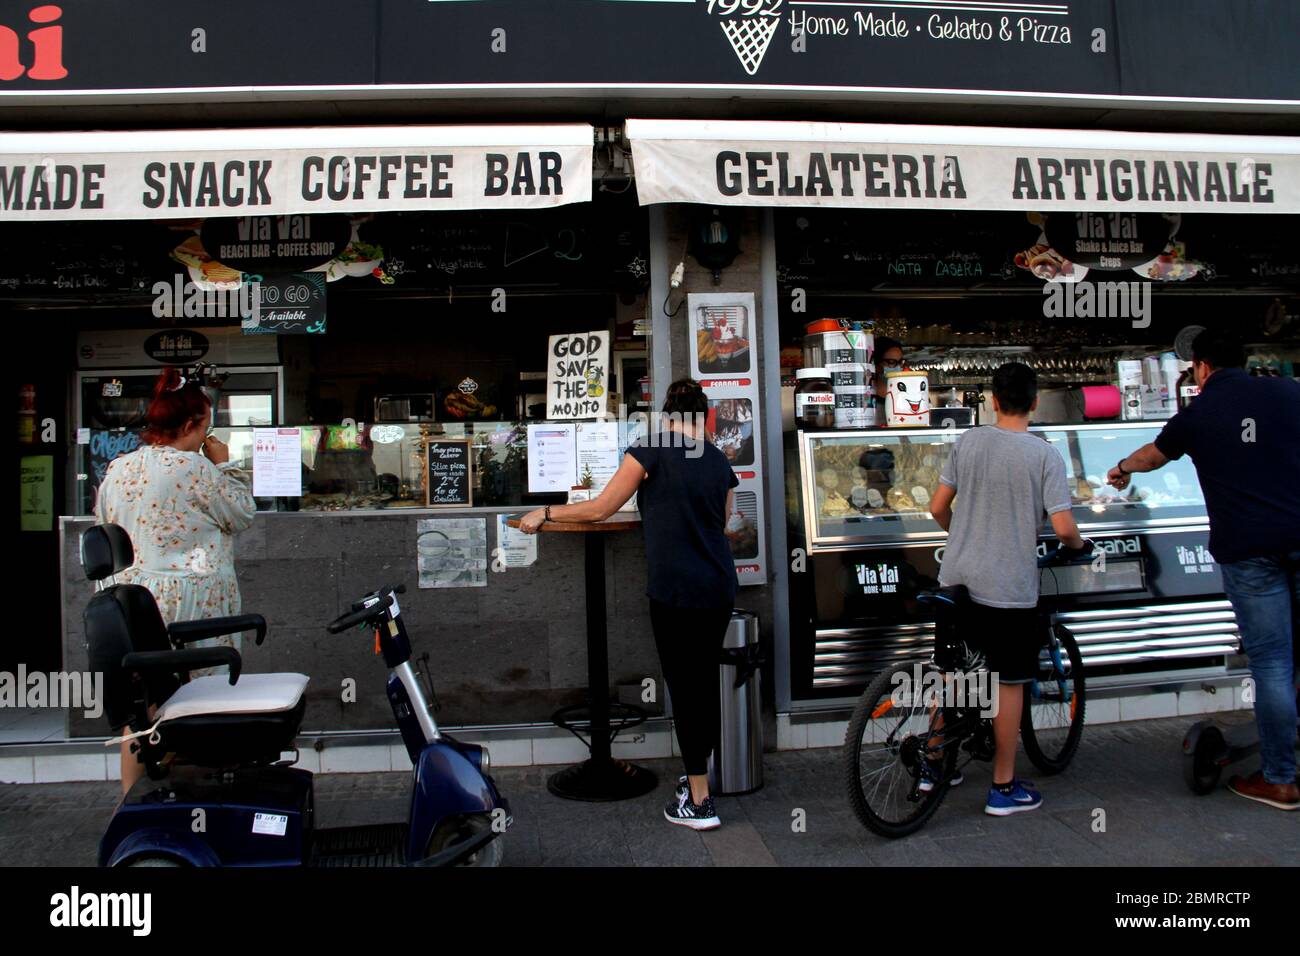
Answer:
(1008, 637)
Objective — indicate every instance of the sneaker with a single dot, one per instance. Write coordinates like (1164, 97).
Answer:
(697, 816)
(1284, 796)
(930, 777)
(1021, 798)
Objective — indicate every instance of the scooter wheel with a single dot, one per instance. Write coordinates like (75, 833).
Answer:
(1203, 749)
(163, 861)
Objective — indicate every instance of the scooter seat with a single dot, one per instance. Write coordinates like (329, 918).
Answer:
(209, 722)
(253, 694)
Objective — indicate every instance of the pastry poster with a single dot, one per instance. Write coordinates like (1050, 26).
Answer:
(724, 348)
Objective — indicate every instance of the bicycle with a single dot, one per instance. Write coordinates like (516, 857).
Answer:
(891, 733)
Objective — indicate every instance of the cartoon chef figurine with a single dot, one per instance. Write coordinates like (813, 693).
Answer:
(907, 399)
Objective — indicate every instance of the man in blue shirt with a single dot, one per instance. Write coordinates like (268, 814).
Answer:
(1243, 434)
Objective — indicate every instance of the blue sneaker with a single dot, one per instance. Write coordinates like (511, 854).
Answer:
(1021, 798)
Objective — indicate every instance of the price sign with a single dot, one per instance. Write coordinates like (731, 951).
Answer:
(448, 478)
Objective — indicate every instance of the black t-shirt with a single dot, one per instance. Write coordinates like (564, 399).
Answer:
(683, 503)
(1243, 434)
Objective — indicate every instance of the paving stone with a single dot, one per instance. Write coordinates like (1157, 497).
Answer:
(1131, 771)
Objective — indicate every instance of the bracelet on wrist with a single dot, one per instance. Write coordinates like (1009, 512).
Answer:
(1120, 466)
(547, 514)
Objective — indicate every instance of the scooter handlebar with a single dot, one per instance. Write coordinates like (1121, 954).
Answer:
(362, 612)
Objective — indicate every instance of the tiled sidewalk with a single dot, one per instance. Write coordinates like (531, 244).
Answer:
(1132, 772)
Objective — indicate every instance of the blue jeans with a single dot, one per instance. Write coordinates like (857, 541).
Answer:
(1265, 596)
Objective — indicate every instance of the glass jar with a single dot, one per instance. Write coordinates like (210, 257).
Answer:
(814, 399)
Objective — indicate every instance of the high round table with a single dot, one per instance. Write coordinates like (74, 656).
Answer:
(601, 777)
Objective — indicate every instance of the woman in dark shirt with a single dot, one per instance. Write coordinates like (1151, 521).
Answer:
(685, 497)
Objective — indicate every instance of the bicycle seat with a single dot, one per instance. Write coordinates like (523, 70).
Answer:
(945, 598)
(202, 721)
(948, 603)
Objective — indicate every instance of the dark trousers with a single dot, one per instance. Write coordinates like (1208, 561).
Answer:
(689, 641)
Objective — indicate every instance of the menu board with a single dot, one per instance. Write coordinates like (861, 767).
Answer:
(448, 473)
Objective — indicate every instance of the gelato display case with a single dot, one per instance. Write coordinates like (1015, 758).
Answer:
(858, 509)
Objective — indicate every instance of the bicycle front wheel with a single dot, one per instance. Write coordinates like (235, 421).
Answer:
(1051, 724)
(886, 740)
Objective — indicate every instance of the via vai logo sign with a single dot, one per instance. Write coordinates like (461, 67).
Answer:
(44, 44)
(749, 26)
(1195, 560)
(878, 578)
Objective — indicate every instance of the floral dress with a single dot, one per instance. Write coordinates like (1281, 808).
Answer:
(182, 513)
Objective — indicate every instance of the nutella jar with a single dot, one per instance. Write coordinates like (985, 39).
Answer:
(814, 399)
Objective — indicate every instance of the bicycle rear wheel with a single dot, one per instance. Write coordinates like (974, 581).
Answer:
(1052, 722)
(883, 747)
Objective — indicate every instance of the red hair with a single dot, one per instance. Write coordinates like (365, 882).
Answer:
(177, 401)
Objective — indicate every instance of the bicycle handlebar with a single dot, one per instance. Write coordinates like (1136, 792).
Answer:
(1063, 555)
(362, 612)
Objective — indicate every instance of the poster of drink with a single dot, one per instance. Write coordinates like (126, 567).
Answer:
(577, 376)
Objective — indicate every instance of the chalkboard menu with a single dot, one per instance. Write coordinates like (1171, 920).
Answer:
(448, 473)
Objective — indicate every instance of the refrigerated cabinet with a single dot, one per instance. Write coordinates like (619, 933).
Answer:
(858, 503)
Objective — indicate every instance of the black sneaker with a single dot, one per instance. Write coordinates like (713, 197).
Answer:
(697, 816)
(930, 772)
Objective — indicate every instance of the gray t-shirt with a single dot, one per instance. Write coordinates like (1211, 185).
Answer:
(1005, 481)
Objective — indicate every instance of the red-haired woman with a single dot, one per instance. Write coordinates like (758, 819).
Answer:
(181, 501)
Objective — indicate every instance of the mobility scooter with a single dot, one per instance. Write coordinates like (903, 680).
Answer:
(219, 789)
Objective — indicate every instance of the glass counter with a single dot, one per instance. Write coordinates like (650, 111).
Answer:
(357, 467)
(366, 467)
(876, 485)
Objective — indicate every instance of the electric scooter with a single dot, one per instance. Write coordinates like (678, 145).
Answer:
(1207, 751)
(218, 789)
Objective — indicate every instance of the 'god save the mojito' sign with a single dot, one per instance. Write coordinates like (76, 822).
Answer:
(577, 374)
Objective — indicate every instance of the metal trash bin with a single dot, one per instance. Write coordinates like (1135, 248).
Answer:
(736, 765)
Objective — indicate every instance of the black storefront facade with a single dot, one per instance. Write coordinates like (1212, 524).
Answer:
(869, 81)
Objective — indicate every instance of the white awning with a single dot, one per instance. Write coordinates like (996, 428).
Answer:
(168, 174)
(892, 166)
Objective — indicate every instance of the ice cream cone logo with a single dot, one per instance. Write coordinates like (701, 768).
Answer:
(749, 34)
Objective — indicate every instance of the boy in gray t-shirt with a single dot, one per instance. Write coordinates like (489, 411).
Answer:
(1005, 479)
